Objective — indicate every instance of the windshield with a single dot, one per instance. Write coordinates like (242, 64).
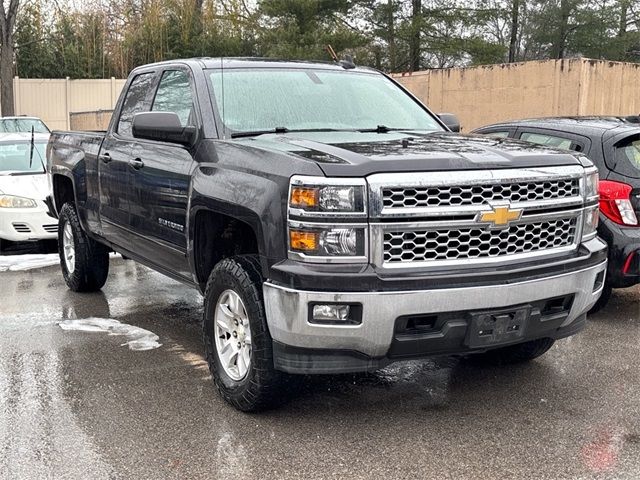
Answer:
(14, 157)
(22, 125)
(307, 99)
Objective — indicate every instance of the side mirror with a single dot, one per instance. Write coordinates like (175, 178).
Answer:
(450, 120)
(162, 126)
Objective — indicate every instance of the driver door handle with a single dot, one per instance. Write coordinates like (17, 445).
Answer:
(136, 163)
(105, 157)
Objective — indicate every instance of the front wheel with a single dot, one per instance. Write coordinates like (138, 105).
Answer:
(237, 342)
(84, 262)
(519, 353)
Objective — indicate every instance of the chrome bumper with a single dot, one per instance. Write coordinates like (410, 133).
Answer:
(288, 309)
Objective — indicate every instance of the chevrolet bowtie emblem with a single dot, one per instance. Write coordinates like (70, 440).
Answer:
(500, 216)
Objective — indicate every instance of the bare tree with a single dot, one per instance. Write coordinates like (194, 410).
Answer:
(7, 28)
(513, 37)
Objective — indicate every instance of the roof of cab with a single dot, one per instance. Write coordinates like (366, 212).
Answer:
(588, 125)
(22, 137)
(258, 62)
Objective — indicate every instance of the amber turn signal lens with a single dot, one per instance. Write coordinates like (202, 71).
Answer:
(304, 197)
(305, 241)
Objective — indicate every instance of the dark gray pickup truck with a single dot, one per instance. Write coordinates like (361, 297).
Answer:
(331, 221)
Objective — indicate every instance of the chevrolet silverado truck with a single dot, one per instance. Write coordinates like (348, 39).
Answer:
(332, 222)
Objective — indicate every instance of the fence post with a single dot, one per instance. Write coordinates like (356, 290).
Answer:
(16, 95)
(113, 92)
(67, 94)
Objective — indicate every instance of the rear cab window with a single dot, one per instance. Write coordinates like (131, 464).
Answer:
(134, 102)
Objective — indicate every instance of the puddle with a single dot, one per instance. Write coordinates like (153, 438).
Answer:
(138, 338)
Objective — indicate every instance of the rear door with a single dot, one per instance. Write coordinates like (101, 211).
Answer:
(114, 177)
(160, 177)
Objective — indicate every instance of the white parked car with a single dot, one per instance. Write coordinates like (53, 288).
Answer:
(23, 189)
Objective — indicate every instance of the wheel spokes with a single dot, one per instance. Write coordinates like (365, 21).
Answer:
(233, 335)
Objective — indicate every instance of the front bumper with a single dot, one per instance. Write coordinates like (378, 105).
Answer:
(27, 224)
(304, 347)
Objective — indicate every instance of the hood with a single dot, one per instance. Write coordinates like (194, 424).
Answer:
(29, 186)
(361, 154)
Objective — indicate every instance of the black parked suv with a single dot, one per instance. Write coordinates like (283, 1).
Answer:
(613, 144)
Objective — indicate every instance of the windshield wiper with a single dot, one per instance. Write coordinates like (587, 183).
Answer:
(255, 133)
(385, 129)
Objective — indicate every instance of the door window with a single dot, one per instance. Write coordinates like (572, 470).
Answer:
(497, 134)
(134, 102)
(627, 157)
(549, 140)
(174, 95)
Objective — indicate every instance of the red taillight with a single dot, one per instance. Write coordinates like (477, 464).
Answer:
(615, 202)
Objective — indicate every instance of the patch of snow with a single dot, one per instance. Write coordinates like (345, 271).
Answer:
(138, 338)
(19, 263)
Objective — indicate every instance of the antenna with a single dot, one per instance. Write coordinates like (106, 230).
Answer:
(331, 52)
(31, 148)
(224, 125)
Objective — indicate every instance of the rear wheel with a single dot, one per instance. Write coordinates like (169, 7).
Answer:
(519, 353)
(84, 262)
(237, 341)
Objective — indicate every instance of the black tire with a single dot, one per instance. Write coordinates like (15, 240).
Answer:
(91, 259)
(519, 353)
(603, 300)
(259, 388)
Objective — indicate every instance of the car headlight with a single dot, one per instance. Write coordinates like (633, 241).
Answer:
(327, 242)
(324, 196)
(317, 211)
(591, 181)
(590, 217)
(11, 201)
(590, 186)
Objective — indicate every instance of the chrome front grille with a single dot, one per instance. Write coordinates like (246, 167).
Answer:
(439, 196)
(474, 218)
(472, 243)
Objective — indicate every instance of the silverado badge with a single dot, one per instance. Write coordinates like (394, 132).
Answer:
(500, 216)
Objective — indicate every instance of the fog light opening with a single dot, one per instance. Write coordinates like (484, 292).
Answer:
(599, 282)
(335, 313)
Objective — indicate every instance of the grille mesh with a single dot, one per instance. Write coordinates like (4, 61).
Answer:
(473, 242)
(398, 197)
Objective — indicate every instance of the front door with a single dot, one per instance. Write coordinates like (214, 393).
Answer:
(160, 180)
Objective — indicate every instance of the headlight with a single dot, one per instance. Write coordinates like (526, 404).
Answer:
(327, 220)
(591, 181)
(590, 222)
(339, 242)
(9, 201)
(318, 196)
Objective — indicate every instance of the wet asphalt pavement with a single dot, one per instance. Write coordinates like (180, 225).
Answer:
(82, 405)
